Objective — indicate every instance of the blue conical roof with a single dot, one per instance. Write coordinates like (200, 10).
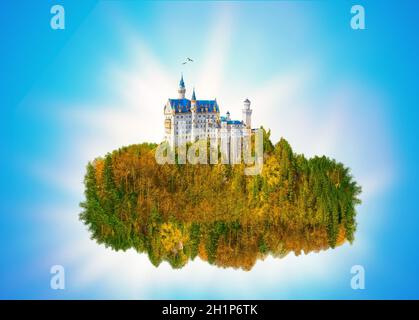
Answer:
(181, 82)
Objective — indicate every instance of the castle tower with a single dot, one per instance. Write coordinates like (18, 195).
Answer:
(247, 114)
(194, 120)
(182, 89)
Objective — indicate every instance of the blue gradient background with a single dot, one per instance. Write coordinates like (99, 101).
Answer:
(38, 64)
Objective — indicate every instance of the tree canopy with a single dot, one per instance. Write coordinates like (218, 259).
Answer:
(175, 212)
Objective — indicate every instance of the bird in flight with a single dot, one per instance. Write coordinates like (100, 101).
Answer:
(187, 60)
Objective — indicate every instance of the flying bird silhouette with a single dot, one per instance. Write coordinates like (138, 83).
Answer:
(187, 60)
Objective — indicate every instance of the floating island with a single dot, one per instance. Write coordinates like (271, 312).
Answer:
(176, 213)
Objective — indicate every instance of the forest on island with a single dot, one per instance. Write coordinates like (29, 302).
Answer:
(176, 213)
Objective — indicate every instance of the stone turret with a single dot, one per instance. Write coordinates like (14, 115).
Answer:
(247, 114)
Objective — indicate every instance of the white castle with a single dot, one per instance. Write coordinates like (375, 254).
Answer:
(190, 120)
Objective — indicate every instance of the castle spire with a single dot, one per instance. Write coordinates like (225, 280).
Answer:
(181, 82)
(194, 126)
(182, 89)
(193, 95)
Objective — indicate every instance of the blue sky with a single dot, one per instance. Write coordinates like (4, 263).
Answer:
(70, 95)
